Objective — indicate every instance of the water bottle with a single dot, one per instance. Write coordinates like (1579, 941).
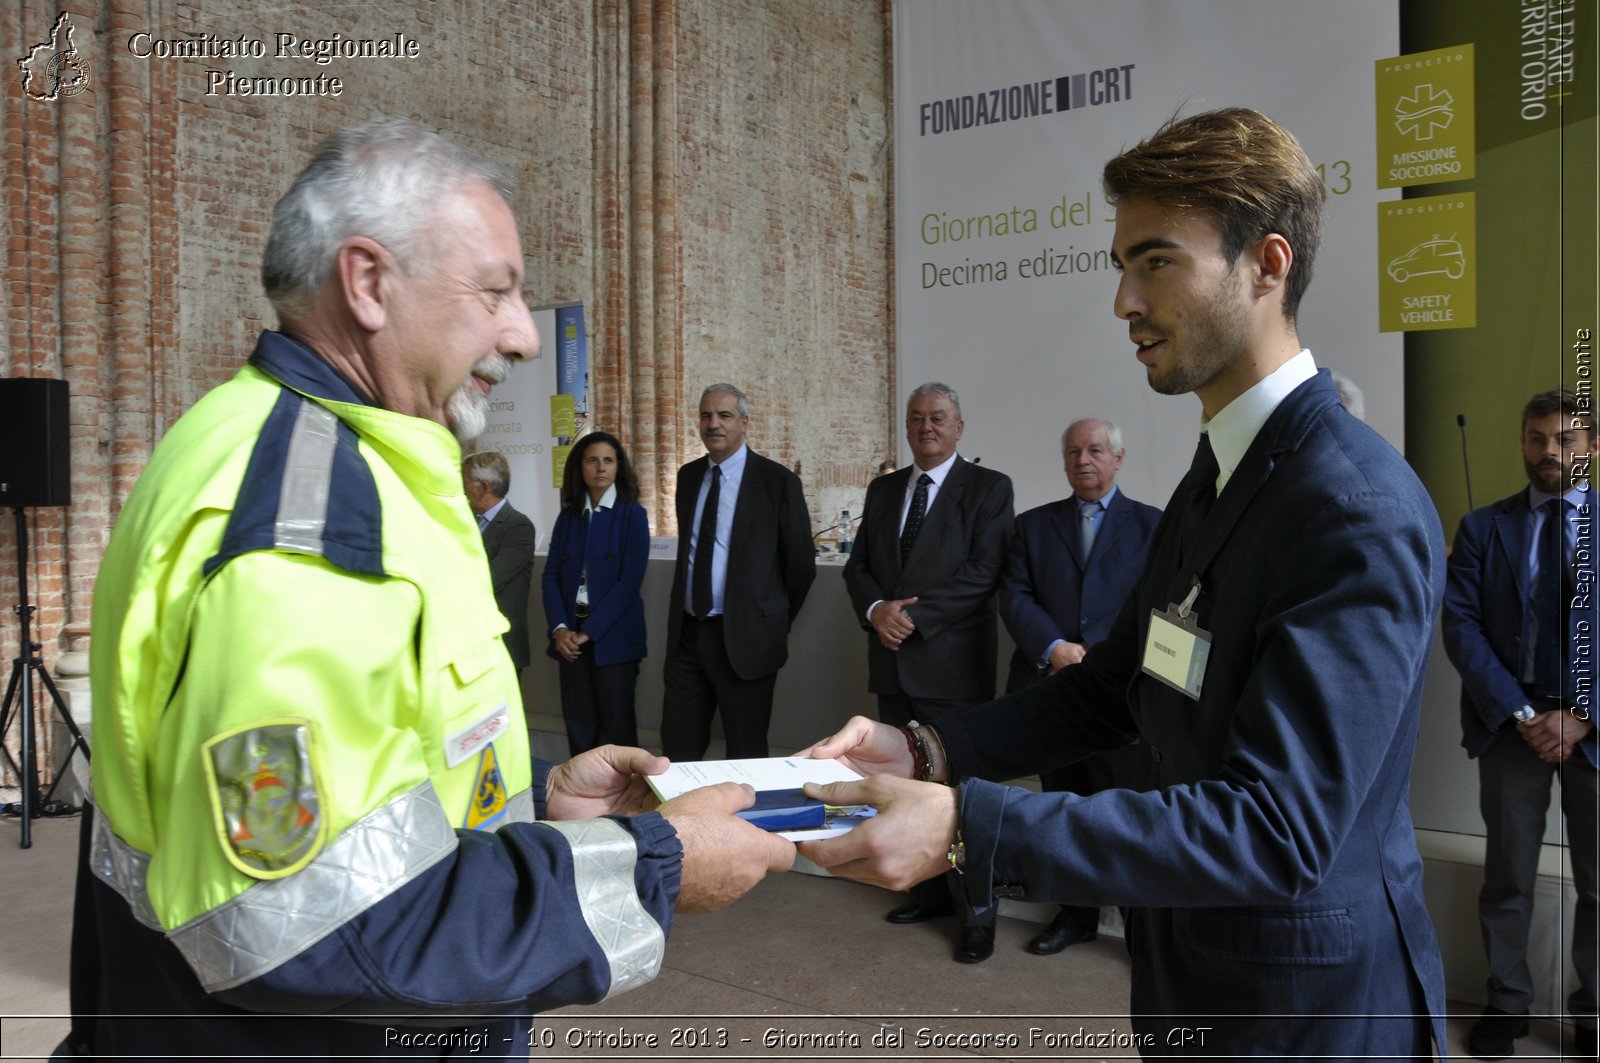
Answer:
(844, 531)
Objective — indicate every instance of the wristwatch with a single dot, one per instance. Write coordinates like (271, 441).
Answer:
(1524, 714)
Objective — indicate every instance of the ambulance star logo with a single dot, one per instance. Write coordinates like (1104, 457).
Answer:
(1424, 113)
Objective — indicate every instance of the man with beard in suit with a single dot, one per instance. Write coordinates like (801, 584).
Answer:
(1523, 660)
(1271, 658)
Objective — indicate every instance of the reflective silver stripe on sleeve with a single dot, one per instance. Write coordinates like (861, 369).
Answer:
(262, 927)
(519, 808)
(123, 868)
(274, 921)
(307, 473)
(603, 859)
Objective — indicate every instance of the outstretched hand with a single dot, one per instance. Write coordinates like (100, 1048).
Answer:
(608, 781)
(870, 747)
(907, 842)
(723, 856)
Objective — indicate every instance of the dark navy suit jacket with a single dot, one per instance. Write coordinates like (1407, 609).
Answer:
(1051, 591)
(1274, 870)
(616, 545)
(954, 571)
(1485, 604)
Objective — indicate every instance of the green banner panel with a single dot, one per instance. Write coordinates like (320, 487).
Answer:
(1531, 257)
(1428, 254)
(1426, 122)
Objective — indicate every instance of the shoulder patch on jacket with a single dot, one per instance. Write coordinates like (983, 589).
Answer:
(306, 490)
(266, 803)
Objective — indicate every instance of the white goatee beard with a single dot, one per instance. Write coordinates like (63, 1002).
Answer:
(466, 413)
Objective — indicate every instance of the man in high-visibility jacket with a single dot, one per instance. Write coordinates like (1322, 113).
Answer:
(313, 794)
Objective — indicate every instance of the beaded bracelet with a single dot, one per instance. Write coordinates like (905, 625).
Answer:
(921, 765)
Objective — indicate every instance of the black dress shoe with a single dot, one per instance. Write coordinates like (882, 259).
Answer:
(1057, 936)
(920, 912)
(1583, 1045)
(1494, 1035)
(977, 944)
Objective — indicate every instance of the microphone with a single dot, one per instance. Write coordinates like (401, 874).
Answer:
(977, 461)
(836, 527)
(1466, 467)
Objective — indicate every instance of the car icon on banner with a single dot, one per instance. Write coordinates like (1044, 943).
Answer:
(1430, 256)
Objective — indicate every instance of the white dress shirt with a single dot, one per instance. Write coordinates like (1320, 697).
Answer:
(1236, 425)
(732, 472)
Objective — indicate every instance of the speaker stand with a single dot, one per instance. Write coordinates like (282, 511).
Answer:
(23, 670)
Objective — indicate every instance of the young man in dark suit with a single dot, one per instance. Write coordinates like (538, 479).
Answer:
(1526, 696)
(1072, 564)
(1271, 659)
(509, 539)
(745, 563)
(922, 581)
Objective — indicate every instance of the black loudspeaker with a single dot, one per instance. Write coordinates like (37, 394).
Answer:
(34, 453)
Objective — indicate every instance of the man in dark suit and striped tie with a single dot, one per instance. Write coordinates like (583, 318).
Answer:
(922, 581)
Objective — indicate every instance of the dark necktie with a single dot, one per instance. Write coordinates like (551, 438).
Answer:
(1197, 492)
(706, 544)
(1202, 483)
(1204, 470)
(1551, 600)
(919, 509)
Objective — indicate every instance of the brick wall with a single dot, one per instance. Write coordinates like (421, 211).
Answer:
(785, 210)
(134, 214)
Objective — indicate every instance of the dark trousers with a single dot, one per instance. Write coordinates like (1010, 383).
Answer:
(1118, 769)
(699, 680)
(1514, 794)
(897, 710)
(597, 702)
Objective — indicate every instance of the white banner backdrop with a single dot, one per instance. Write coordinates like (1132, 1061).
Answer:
(1005, 113)
(520, 428)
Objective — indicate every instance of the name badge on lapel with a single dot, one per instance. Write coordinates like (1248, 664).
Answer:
(1177, 648)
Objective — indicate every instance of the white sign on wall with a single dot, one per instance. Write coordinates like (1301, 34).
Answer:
(522, 422)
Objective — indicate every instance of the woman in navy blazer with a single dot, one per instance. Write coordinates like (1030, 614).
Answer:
(591, 593)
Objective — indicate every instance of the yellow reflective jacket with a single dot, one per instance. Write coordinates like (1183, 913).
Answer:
(302, 697)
